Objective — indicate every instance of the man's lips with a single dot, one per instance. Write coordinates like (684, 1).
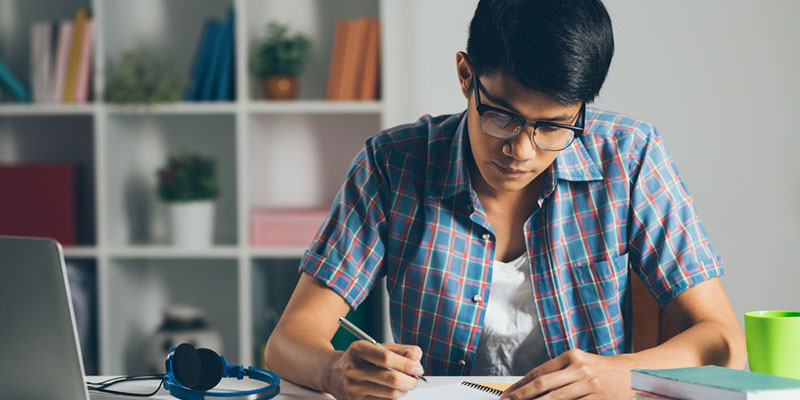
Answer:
(511, 170)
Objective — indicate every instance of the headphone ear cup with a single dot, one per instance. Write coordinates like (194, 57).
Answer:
(210, 369)
(186, 365)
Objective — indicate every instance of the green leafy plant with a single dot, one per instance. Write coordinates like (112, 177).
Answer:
(143, 78)
(188, 177)
(280, 54)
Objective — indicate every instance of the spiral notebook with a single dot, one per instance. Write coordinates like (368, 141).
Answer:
(461, 391)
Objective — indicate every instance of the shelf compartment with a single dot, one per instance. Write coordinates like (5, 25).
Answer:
(16, 18)
(57, 140)
(137, 145)
(317, 19)
(140, 290)
(82, 278)
(301, 160)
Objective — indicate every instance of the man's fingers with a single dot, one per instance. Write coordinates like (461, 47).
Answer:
(412, 352)
(391, 379)
(386, 358)
(547, 383)
(548, 367)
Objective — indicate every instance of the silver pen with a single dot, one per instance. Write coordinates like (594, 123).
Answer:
(363, 335)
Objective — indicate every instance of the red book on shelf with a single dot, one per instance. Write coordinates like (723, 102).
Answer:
(285, 226)
(38, 200)
(369, 83)
(353, 59)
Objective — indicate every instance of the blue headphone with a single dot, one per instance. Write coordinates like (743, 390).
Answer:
(192, 372)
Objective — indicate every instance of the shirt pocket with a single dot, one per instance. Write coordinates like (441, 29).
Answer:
(597, 286)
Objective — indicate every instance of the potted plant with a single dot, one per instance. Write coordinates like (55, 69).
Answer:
(189, 184)
(278, 59)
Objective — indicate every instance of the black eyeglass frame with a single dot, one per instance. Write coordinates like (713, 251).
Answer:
(482, 108)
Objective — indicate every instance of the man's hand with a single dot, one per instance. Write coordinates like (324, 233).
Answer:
(575, 375)
(363, 371)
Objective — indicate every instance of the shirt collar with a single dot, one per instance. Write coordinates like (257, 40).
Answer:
(572, 164)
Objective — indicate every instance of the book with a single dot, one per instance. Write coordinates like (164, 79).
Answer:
(337, 59)
(462, 391)
(353, 59)
(84, 64)
(74, 56)
(200, 65)
(712, 382)
(13, 84)
(38, 200)
(40, 46)
(370, 75)
(62, 58)
(218, 40)
(224, 86)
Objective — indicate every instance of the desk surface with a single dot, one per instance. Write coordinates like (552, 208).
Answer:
(288, 389)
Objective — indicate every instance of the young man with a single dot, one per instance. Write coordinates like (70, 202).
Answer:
(507, 233)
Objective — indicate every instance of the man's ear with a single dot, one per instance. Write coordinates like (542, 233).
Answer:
(464, 71)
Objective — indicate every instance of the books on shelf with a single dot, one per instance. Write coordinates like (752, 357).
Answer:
(13, 84)
(712, 382)
(355, 60)
(212, 77)
(61, 59)
(38, 200)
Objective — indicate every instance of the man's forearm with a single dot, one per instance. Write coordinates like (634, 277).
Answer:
(298, 357)
(705, 343)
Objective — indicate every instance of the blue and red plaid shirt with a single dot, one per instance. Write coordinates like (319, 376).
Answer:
(613, 201)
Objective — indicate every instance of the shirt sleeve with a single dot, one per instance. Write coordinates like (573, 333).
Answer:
(348, 250)
(669, 247)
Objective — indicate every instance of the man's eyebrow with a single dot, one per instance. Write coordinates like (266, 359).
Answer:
(509, 107)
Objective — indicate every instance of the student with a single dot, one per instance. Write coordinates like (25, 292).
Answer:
(507, 233)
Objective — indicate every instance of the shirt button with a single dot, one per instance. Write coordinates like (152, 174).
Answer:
(477, 298)
(487, 236)
(470, 208)
(462, 363)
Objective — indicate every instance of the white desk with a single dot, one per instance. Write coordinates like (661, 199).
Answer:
(288, 389)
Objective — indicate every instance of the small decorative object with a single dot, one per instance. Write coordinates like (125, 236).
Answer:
(144, 78)
(189, 184)
(181, 324)
(278, 59)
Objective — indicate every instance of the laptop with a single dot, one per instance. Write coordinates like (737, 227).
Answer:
(40, 356)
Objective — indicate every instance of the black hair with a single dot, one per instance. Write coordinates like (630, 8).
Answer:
(560, 48)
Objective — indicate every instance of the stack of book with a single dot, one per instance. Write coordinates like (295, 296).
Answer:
(711, 383)
(355, 60)
(60, 61)
(212, 77)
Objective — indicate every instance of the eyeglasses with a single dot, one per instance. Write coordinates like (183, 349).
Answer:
(506, 125)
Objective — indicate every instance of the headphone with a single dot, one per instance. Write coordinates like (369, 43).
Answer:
(191, 373)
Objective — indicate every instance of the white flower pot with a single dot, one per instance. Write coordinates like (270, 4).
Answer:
(192, 223)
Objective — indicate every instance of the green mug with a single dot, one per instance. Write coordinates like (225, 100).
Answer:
(773, 342)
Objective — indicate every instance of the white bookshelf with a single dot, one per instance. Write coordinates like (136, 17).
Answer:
(270, 154)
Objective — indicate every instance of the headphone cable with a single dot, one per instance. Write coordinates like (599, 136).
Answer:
(102, 386)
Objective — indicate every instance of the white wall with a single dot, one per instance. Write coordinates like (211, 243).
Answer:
(719, 78)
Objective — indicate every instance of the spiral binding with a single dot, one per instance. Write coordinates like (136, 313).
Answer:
(482, 388)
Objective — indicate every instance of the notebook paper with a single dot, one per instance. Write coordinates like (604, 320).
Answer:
(460, 391)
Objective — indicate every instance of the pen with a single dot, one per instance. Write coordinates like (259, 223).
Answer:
(363, 335)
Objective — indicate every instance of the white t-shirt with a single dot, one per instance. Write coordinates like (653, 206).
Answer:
(511, 341)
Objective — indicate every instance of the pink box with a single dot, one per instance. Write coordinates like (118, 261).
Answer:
(285, 226)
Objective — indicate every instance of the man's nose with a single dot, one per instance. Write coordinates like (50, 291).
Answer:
(522, 146)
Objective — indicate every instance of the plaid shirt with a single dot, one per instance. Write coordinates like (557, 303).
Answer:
(612, 201)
